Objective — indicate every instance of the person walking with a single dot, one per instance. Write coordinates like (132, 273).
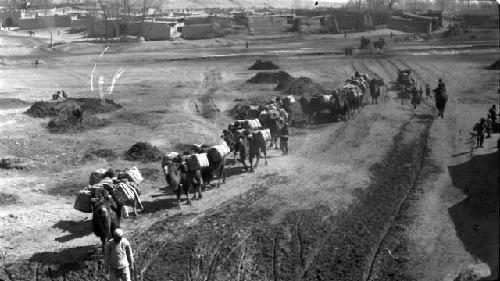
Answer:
(493, 113)
(414, 97)
(427, 91)
(284, 134)
(489, 126)
(118, 257)
(479, 128)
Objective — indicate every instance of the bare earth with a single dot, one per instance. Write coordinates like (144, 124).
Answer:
(392, 194)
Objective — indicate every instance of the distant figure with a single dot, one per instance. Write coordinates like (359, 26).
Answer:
(441, 99)
(420, 93)
(64, 95)
(118, 257)
(489, 126)
(56, 96)
(78, 115)
(284, 134)
(427, 91)
(493, 113)
(414, 97)
(246, 44)
(479, 129)
(58, 33)
(392, 34)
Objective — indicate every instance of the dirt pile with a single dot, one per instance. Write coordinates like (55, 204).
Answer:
(494, 66)
(43, 109)
(301, 86)
(144, 152)
(73, 115)
(66, 123)
(270, 77)
(263, 65)
(89, 105)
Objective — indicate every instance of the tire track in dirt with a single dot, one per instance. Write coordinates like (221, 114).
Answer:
(212, 83)
(333, 254)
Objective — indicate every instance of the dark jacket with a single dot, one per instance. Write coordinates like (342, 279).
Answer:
(480, 127)
(284, 133)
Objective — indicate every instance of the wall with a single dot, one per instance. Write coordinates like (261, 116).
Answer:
(158, 31)
(198, 31)
(44, 22)
(98, 28)
(345, 19)
(223, 22)
(308, 25)
(409, 26)
(481, 21)
(267, 24)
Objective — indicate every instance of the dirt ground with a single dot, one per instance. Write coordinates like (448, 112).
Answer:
(391, 194)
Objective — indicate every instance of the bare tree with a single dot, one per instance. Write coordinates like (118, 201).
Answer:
(103, 8)
(144, 10)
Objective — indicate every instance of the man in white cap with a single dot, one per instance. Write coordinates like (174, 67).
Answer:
(118, 257)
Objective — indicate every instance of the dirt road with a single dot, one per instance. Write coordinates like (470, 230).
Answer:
(324, 212)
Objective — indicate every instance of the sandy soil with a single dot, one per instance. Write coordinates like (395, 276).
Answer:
(334, 198)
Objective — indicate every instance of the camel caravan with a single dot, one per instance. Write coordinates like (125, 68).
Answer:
(342, 103)
(110, 192)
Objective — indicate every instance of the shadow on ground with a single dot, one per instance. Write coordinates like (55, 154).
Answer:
(76, 229)
(66, 256)
(476, 218)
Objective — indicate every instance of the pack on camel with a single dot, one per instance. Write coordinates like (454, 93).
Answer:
(375, 85)
(323, 106)
(217, 162)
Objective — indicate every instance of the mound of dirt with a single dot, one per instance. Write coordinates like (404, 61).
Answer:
(8, 199)
(54, 108)
(270, 77)
(302, 86)
(50, 109)
(263, 65)
(145, 152)
(9, 103)
(494, 66)
(63, 123)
